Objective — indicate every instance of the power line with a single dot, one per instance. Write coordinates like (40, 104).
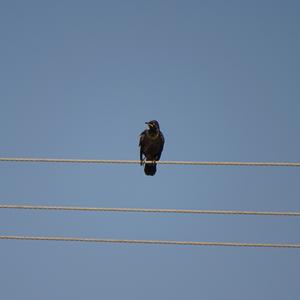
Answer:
(156, 242)
(196, 163)
(150, 210)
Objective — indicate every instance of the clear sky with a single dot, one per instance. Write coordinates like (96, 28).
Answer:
(80, 78)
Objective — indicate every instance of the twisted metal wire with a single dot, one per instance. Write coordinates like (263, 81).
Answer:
(105, 161)
(149, 210)
(153, 242)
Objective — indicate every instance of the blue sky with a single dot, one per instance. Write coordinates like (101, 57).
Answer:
(80, 78)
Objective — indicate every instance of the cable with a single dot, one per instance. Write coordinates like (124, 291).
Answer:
(157, 242)
(150, 210)
(197, 163)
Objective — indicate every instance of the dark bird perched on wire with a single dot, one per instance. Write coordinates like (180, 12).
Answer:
(151, 146)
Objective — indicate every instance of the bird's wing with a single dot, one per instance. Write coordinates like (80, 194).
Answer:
(163, 139)
(142, 138)
(161, 146)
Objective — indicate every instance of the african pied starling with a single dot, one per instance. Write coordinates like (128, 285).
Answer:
(151, 146)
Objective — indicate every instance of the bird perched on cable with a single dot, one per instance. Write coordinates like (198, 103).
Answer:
(151, 146)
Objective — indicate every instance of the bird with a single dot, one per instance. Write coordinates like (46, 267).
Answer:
(151, 146)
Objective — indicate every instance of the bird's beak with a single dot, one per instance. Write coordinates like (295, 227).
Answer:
(149, 124)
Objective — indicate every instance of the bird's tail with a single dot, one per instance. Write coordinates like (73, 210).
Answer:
(150, 169)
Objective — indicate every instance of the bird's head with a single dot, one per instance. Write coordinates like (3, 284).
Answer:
(153, 125)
